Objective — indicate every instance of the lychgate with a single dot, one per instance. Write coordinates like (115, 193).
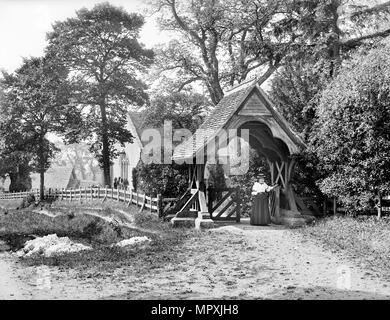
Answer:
(246, 110)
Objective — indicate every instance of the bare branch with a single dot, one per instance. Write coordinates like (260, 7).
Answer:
(352, 43)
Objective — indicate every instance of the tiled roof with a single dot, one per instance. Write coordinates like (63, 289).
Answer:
(56, 177)
(138, 124)
(138, 120)
(214, 122)
(225, 109)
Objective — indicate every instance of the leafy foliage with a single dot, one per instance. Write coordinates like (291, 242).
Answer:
(352, 136)
(185, 109)
(334, 31)
(170, 180)
(36, 104)
(221, 43)
(100, 46)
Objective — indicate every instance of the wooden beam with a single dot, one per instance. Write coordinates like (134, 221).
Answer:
(189, 202)
(202, 202)
(271, 169)
(277, 204)
(143, 203)
(290, 197)
(280, 174)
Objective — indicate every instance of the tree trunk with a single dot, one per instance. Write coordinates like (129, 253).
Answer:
(20, 179)
(335, 40)
(42, 183)
(41, 158)
(106, 147)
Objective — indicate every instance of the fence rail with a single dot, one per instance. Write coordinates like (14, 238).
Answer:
(154, 204)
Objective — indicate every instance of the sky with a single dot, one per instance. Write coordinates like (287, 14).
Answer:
(24, 24)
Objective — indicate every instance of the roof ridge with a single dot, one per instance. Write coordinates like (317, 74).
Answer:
(248, 83)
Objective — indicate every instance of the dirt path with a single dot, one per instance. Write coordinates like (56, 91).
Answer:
(234, 262)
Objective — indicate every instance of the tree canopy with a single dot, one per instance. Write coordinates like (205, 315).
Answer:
(101, 49)
(185, 109)
(352, 132)
(36, 103)
(221, 42)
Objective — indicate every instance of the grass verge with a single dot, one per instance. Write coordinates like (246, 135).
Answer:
(365, 239)
(16, 227)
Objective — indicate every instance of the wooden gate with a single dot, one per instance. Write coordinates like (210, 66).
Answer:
(226, 206)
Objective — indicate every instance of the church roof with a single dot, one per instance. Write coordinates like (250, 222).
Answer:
(56, 177)
(136, 121)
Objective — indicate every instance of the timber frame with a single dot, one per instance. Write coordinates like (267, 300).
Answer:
(245, 107)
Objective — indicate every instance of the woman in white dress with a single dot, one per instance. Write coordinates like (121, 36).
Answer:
(260, 211)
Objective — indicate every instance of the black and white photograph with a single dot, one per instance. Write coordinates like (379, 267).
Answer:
(194, 150)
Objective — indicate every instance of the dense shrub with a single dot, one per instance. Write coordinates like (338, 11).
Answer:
(170, 180)
(352, 137)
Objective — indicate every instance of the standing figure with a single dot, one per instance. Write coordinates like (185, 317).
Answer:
(115, 183)
(260, 211)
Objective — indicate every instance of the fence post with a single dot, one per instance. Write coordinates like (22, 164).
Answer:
(124, 194)
(379, 205)
(117, 193)
(238, 209)
(151, 203)
(159, 206)
(112, 193)
(91, 194)
(131, 198)
(71, 190)
(98, 193)
(136, 198)
(334, 206)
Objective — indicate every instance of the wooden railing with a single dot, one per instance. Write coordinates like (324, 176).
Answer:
(228, 207)
(18, 195)
(154, 204)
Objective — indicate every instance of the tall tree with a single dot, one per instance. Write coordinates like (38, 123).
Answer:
(100, 47)
(36, 104)
(221, 42)
(14, 160)
(334, 31)
(185, 109)
(352, 132)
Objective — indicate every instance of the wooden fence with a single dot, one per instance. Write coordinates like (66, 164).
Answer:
(18, 195)
(331, 206)
(128, 196)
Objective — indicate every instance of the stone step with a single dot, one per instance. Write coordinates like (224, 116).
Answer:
(192, 223)
(295, 219)
(183, 222)
(292, 222)
(187, 214)
(290, 213)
